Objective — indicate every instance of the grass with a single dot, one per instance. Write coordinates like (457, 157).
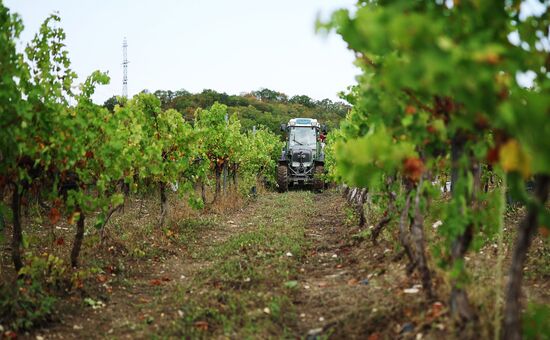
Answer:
(241, 292)
(225, 273)
(187, 230)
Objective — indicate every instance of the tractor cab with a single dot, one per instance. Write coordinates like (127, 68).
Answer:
(302, 159)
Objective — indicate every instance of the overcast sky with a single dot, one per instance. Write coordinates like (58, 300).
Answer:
(229, 46)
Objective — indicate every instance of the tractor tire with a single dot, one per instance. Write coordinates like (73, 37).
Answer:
(282, 178)
(318, 182)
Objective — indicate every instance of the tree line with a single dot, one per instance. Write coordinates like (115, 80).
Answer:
(264, 107)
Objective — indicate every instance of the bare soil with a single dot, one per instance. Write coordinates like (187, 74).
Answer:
(340, 286)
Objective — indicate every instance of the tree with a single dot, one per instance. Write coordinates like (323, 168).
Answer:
(302, 100)
(270, 95)
(110, 103)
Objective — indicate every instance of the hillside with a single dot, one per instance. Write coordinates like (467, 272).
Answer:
(263, 107)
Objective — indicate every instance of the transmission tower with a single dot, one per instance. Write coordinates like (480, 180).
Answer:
(125, 68)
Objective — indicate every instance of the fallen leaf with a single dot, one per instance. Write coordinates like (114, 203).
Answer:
(101, 278)
(202, 325)
(54, 215)
(10, 335)
(437, 308)
(374, 336)
(408, 312)
(353, 282)
(78, 284)
(155, 282)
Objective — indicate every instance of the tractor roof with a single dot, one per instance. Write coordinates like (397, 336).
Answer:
(304, 122)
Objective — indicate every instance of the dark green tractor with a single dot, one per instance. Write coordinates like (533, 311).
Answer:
(302, 161)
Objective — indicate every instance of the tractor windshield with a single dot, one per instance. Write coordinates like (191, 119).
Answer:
(303, 136)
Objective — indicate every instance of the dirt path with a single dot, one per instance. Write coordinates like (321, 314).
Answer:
(350, 286)
(140, 301)
(286, 265)
(290, 265)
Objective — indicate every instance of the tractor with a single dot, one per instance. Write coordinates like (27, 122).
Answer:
(302, 160)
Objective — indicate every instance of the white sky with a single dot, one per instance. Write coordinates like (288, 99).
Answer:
(228, 46)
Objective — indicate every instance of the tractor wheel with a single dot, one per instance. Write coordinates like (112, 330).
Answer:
(318, 183)
(282, 178)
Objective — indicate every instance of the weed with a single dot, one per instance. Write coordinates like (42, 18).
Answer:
(31, 300)
(535, 322)
(351, 216)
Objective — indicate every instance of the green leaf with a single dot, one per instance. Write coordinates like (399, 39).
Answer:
(291, 284)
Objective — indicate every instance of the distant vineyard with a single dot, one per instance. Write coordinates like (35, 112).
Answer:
(82, 159)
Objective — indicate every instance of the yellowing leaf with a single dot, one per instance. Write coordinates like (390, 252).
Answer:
(513, 158)
(73, 218)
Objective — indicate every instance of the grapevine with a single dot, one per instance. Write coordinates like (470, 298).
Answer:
(437, 95)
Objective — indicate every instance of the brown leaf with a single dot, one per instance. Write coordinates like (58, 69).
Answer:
(544, 231)
(10, 335)
(111, 269)
(493, 155)
(353, 282)
(408, 312)
(437, 309)
(413, 168)
(374, 336)
(155, 282)
(60, 241)
(54, 215)
(410, 110)
(202, 325)
(78, 283)
(101, 278)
